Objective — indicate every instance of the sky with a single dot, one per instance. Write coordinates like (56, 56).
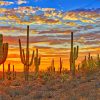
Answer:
(51, 22)
(64, 5)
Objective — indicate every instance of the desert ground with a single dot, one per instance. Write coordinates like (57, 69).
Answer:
(52, 87)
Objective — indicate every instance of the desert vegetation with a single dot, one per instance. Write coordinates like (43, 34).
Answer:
(81, 82)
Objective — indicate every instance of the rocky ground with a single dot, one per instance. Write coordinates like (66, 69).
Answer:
(83, 88)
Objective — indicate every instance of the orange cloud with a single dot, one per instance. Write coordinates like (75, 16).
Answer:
(2, 3)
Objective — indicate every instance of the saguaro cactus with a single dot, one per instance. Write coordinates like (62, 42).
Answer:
(9, 73)
(73, 55)
(91, 63)
(60, 65)
(3, 72)
(37, 61)
(25, 57)
(52, 67)
(14, 73)
(3, 52)
(98, 61)
(84, 63)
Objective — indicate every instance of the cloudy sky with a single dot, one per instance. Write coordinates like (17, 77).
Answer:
(51, 22)
(57, 4)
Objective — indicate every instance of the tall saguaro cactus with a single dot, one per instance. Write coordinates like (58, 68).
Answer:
(25, 58)
(3, 52)
(60, 65)
(37, 61)
(73, 55)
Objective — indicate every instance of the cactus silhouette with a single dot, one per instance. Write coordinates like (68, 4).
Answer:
(8, 73)
(52, 67)
(37, 61)
(91, 63)
(14, 73)
(98, 61)
(25, 58)
(73, 56)
(60, 65)
(84, 63)
(3, 71)
(3, 52)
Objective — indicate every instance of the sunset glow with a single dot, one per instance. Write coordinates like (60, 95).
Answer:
(50, 29)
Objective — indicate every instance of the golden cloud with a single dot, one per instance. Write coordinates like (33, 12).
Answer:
(4, 3)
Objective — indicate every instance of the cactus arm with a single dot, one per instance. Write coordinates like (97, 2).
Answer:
(20, 47)
(23, 57)
(37, 62)
(5, 53)
(22, 54)
(5, 50)
(36, 65)
(1, 40)
(31, 59)
(75, 54)
(77, 51)
(37, 59)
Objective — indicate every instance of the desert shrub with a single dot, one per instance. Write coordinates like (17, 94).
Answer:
(31, 77)
(47, 76)
(4, 96)
(15, 83)
(64, 77)
(37, 95)
(13, 92)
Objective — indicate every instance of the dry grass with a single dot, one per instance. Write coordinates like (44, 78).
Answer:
(55, 87)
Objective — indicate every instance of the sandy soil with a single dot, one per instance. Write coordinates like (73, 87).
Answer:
(83, 88)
